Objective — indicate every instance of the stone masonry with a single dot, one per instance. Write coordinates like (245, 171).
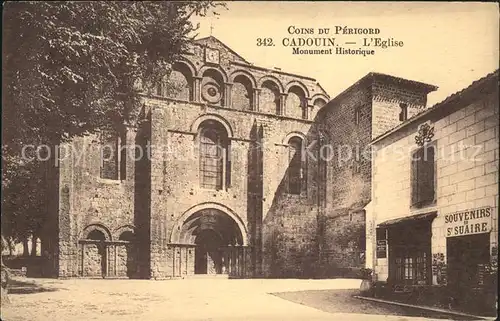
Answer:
(257, 210)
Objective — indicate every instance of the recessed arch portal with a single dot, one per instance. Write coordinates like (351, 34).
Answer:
(213, 216)
(93, 250)
(217, 234)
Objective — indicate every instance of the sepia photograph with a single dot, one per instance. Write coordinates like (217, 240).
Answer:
(249, 160)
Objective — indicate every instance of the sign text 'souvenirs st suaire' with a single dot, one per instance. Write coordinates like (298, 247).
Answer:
(468, 222)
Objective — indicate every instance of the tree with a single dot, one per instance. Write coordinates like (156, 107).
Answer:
(71, 68)
(23, 205)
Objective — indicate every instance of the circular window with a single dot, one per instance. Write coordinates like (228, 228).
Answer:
(211, 93)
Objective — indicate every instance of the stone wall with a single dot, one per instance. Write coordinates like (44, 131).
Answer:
(387, 98)
(87, 200)
(348, 176)
(175, 176)
(352, 120)
(261, 109)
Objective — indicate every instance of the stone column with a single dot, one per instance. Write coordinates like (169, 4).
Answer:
(255, 99)
(282, 105)
(197, 89)
(237, 260)
(227, 94)
(308, 106)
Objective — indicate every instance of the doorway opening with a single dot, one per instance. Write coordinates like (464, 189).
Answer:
(218, 243)
(208, 256)
(466, 255)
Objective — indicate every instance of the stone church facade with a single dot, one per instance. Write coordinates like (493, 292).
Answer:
(222, 174)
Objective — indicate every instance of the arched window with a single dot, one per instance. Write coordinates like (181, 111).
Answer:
(296, 168)
(242, 93)
(113, 154)
(215, 162)
(296, 104)
(269, 98)
(178, 84)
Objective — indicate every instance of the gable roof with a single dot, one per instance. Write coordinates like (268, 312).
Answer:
(478, 86)
(222, 44)
(248, 64)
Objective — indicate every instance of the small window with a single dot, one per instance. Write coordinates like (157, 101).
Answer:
(113, 155)
(305, 114)
(412, 268)
(159, 89)
(110, 145)
(296, 166)
(423, 175)
(403, 113)
(357, 116)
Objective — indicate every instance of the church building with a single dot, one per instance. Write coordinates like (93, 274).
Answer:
(230, 169)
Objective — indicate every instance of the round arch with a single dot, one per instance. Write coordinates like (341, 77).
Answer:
(245, 74)
(320, 95)
(98, 227)
(294, 134)
(274, 80)
(187, 64)
(175, 234)
(125, 228)
(217, 69)
(196, 124)
(295, 83)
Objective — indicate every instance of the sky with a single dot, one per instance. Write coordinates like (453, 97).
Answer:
(447, 44)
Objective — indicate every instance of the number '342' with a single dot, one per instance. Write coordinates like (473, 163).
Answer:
(266, 42)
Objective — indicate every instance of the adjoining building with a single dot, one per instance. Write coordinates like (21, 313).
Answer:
(220, 174)
(433, 217)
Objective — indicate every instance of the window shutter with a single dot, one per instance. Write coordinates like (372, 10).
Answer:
(423, 176)
(427, 176)
(414, 178)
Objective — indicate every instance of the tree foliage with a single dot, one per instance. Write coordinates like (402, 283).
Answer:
(70, 68)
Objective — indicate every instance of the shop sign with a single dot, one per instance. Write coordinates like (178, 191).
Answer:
(468, 222)
(381, 249)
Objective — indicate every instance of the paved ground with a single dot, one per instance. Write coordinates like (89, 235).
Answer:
(196, 299)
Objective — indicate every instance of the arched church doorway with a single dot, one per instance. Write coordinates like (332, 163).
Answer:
(208, 253)
(95, 254)
(218, 242)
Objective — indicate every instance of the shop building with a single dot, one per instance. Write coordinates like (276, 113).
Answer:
(433, 216)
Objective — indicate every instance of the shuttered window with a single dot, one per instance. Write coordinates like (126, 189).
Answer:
(423, 176)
